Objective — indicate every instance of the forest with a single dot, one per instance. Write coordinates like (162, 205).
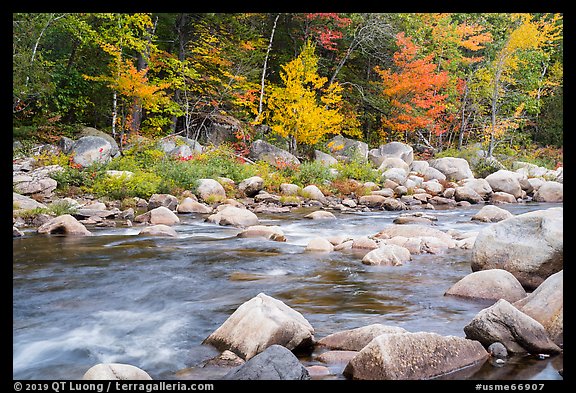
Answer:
(437, 80)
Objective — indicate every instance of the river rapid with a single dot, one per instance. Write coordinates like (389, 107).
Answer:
(151, 301)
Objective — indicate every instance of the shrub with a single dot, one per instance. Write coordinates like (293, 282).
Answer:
(358, 170)
(140, 184)
(312, 172)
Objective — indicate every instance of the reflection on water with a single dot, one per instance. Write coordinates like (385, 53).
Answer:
(150, 301)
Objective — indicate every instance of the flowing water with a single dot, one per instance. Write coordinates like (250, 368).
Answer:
(151, 301)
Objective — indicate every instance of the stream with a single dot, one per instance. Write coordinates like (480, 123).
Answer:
(151, 301)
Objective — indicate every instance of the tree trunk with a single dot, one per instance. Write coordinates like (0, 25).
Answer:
(181, 38)
(264, 69)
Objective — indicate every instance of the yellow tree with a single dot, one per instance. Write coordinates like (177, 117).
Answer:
(306, 108)
(528, 35)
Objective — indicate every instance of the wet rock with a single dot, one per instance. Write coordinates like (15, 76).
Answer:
(259, 323)
(388, 254)
(225, 359)
(518, 332)
(491, 213)
(498, 350)
(502, 197)
(493, 284)
(115, 372)
(64, 225)
(319, 244)
(272, 232)
(529, 245)
(467, 194)
(546, 305)
(163, 215)
(321, 215)
(358, 338)
(234, 216)
(275, 363)
(159, 230)
(336, 357)
(414, 356)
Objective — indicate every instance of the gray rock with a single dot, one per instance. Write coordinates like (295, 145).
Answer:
(498, 350)
(491, 213)
(264, 151)
(275, 363)
(505, 181)
(259, 323)
(324, 158)
(493, 284)
(529, 245)
(89, 150)
(347, 149)
(64, 225)
(234, 216)
(392, 149)
(453, 168)
(159, 230)
(115, 372)
(356, 339)
(251, 186)
(166, 200)
(518, 332)
(546, 305)
(208, 188)
(550, 191)
(414, 356)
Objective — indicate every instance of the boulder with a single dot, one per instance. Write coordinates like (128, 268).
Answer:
(163, 215)
(64, 225)
(491, 213)
(546, 305)
(518, 332)
(388, 255)
(493, 284)
(116, 372)
(550, 191)
(272, 232)
(313, 192)
(209, 187)
(321, 215)
(505, 181)
(251, 186)
(259, 323)
(89, 150)
(90, 131)
(431, 173)
(274, 363)
(502, 197)
(289, 189)
(189, 205)
(416, 231)
(324, 158)
(234, 216)
(467, 194)
(264, 151)
(347, 149)
(356, 339)
(319, 244)
(414, 356)
(481, 186)
(453, 168)
(394, 162)
(420, 166)
(528, 245)
(22, 202)
(166, 200)
(390, 150)
(158, 230)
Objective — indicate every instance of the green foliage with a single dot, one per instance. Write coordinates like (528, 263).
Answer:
(357, 169)
(141, 184)
(484, 167)
(312, 172)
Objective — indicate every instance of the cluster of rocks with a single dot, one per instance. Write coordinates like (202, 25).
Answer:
(263, 338)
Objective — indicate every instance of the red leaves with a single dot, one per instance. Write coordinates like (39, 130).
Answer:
(414, 91)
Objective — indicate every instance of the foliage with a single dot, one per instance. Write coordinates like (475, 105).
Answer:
(357, 169)
(304, 109)
(312, 172)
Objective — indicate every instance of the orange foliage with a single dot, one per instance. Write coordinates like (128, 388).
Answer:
(414, 91)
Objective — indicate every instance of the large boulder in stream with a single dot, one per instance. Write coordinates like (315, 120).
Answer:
(274, 363)
(546, 305)
(413, 356)
(493, 284)
(234, 216)
(259, 323)
(529, 245)
(64, 225)
(518, 332)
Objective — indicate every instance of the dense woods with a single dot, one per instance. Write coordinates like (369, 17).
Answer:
(439, 80)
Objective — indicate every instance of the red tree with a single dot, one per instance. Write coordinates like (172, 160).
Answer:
(414, 90)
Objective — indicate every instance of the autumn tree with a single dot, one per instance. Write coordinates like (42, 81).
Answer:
(305, 108)
(414, 91)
